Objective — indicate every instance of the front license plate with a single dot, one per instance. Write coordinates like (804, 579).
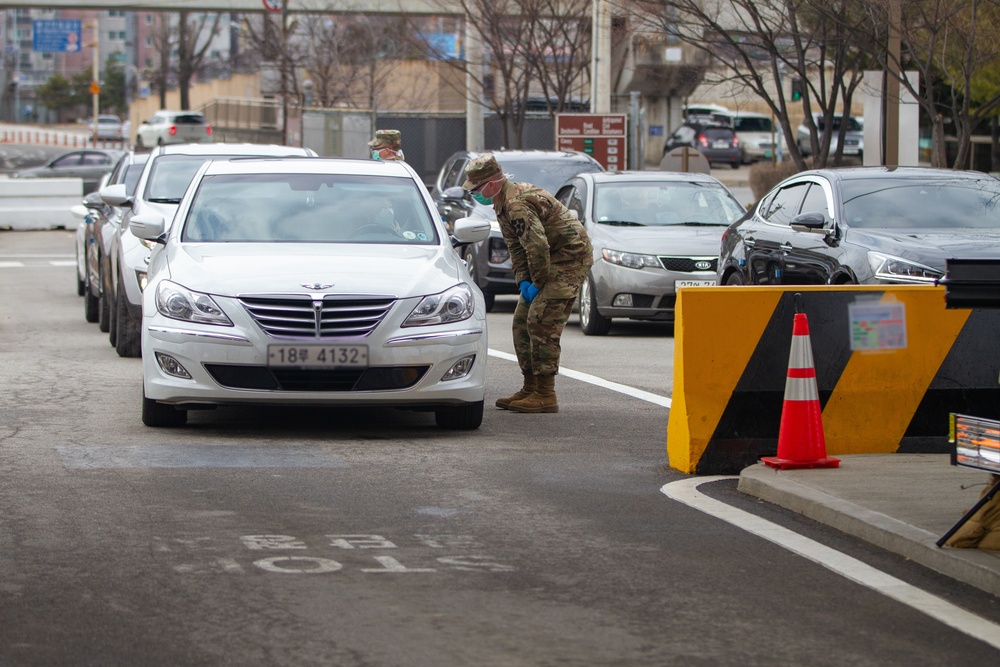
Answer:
(317, 356)
(693, 283)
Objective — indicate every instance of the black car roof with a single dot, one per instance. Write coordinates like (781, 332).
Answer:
(855, 173)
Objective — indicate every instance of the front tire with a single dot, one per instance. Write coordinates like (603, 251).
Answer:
(128, 341)
(159, 414)
(735, 279)
(103, 309)
(465, 417)
(90, 304)
(592, 323)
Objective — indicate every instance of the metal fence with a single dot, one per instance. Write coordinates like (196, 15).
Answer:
(428, 138)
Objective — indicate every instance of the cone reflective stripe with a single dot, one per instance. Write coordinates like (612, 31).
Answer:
(801, 443)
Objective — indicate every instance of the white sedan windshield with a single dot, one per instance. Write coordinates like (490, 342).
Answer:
(308, 208)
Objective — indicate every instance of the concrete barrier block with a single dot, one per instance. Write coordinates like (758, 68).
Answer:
(39, 203)
(731, 361)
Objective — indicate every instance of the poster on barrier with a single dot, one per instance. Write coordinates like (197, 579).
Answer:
(877, 326)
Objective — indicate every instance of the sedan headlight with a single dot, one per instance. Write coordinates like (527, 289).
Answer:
(899, 270)
(452, 305)
(630, 259)
(180, 303)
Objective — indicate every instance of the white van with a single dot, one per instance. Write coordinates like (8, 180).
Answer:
(757, 134)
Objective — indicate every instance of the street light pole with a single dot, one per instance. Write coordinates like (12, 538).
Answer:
(95, 73)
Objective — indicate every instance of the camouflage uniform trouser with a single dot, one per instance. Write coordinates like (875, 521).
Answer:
(537, 328)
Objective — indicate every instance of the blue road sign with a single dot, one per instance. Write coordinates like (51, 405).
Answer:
(56, 36)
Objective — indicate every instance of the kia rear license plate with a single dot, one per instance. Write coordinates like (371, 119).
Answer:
(693, 283)
(720, 144)
(317, 356)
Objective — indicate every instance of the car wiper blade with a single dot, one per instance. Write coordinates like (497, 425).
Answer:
(165, 200)
(621, 223)
(696, 223)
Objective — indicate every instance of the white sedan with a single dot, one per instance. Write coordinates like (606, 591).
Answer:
(311, 282)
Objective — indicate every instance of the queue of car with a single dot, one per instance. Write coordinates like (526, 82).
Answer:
(265, 274)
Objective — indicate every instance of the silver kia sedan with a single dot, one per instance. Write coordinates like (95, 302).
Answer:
(653, 233)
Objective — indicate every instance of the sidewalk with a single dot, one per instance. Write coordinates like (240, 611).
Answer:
(903, 503)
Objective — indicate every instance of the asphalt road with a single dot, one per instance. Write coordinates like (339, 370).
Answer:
(363, 537)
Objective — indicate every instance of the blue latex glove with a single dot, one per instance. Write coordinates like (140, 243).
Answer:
(523, 286)
(529, 292)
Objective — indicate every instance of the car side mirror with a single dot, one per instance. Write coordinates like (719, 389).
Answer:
(116, 195)
(93, 200)
(148, 226)
(470, 230)
(456, 193)
(813, 223)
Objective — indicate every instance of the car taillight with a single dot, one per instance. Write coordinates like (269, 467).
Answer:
(736, 141)
(208, 130)
(703, 140)
(172, 131)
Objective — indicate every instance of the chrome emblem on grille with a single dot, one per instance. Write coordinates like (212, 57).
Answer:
(316, 286)
(703, 266)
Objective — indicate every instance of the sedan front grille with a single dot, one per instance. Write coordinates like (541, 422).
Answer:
(306, 317)
(689, 264)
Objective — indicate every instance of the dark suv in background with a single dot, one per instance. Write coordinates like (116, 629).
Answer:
(489, 261)
(717, 142)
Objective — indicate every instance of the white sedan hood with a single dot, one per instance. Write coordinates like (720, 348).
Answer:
(233, 269)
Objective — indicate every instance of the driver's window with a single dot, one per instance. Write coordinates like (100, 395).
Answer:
(67, 162)
(455, 176)
(815, 201)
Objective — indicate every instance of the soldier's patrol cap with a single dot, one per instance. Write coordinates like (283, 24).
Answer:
(480, 170)
(386, 139)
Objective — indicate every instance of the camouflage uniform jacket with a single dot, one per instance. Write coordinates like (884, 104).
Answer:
(546, 243)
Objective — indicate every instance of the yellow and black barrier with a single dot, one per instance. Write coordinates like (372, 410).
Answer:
(731, 361)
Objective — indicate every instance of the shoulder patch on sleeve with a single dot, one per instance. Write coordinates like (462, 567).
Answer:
(519, 224)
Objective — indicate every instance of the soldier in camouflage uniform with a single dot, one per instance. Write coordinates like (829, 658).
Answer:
(387, 145)
(551, 255)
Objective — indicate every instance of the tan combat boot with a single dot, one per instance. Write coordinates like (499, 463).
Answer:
(526, 390)
(542, 400)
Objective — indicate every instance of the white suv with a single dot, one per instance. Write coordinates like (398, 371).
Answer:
(173, 127)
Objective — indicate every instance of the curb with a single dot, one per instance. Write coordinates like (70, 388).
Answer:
(970, 566)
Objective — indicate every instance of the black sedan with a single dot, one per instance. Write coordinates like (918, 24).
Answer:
(864, 225)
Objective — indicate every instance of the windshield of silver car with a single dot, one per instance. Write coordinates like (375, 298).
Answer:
(308, 208)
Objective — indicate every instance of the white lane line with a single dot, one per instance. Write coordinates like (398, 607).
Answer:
(63, 263)
(11, 265)
(600, 382)
(686, 491)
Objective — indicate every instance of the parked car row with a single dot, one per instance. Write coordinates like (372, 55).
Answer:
(268, 275)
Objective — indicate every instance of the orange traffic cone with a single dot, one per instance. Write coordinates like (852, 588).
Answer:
(800, 438)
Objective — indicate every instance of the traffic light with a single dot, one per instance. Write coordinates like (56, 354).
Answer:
(796, 90)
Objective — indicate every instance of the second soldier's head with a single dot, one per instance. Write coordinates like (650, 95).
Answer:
(484, 178)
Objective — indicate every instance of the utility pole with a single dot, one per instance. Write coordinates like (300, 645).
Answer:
(95, 87)
(600, 69)
(890, 118)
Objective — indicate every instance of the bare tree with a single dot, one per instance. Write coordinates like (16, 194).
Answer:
(531, 47)
(758, 43)
(164, 39)
(953, 45)
(194, 37)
